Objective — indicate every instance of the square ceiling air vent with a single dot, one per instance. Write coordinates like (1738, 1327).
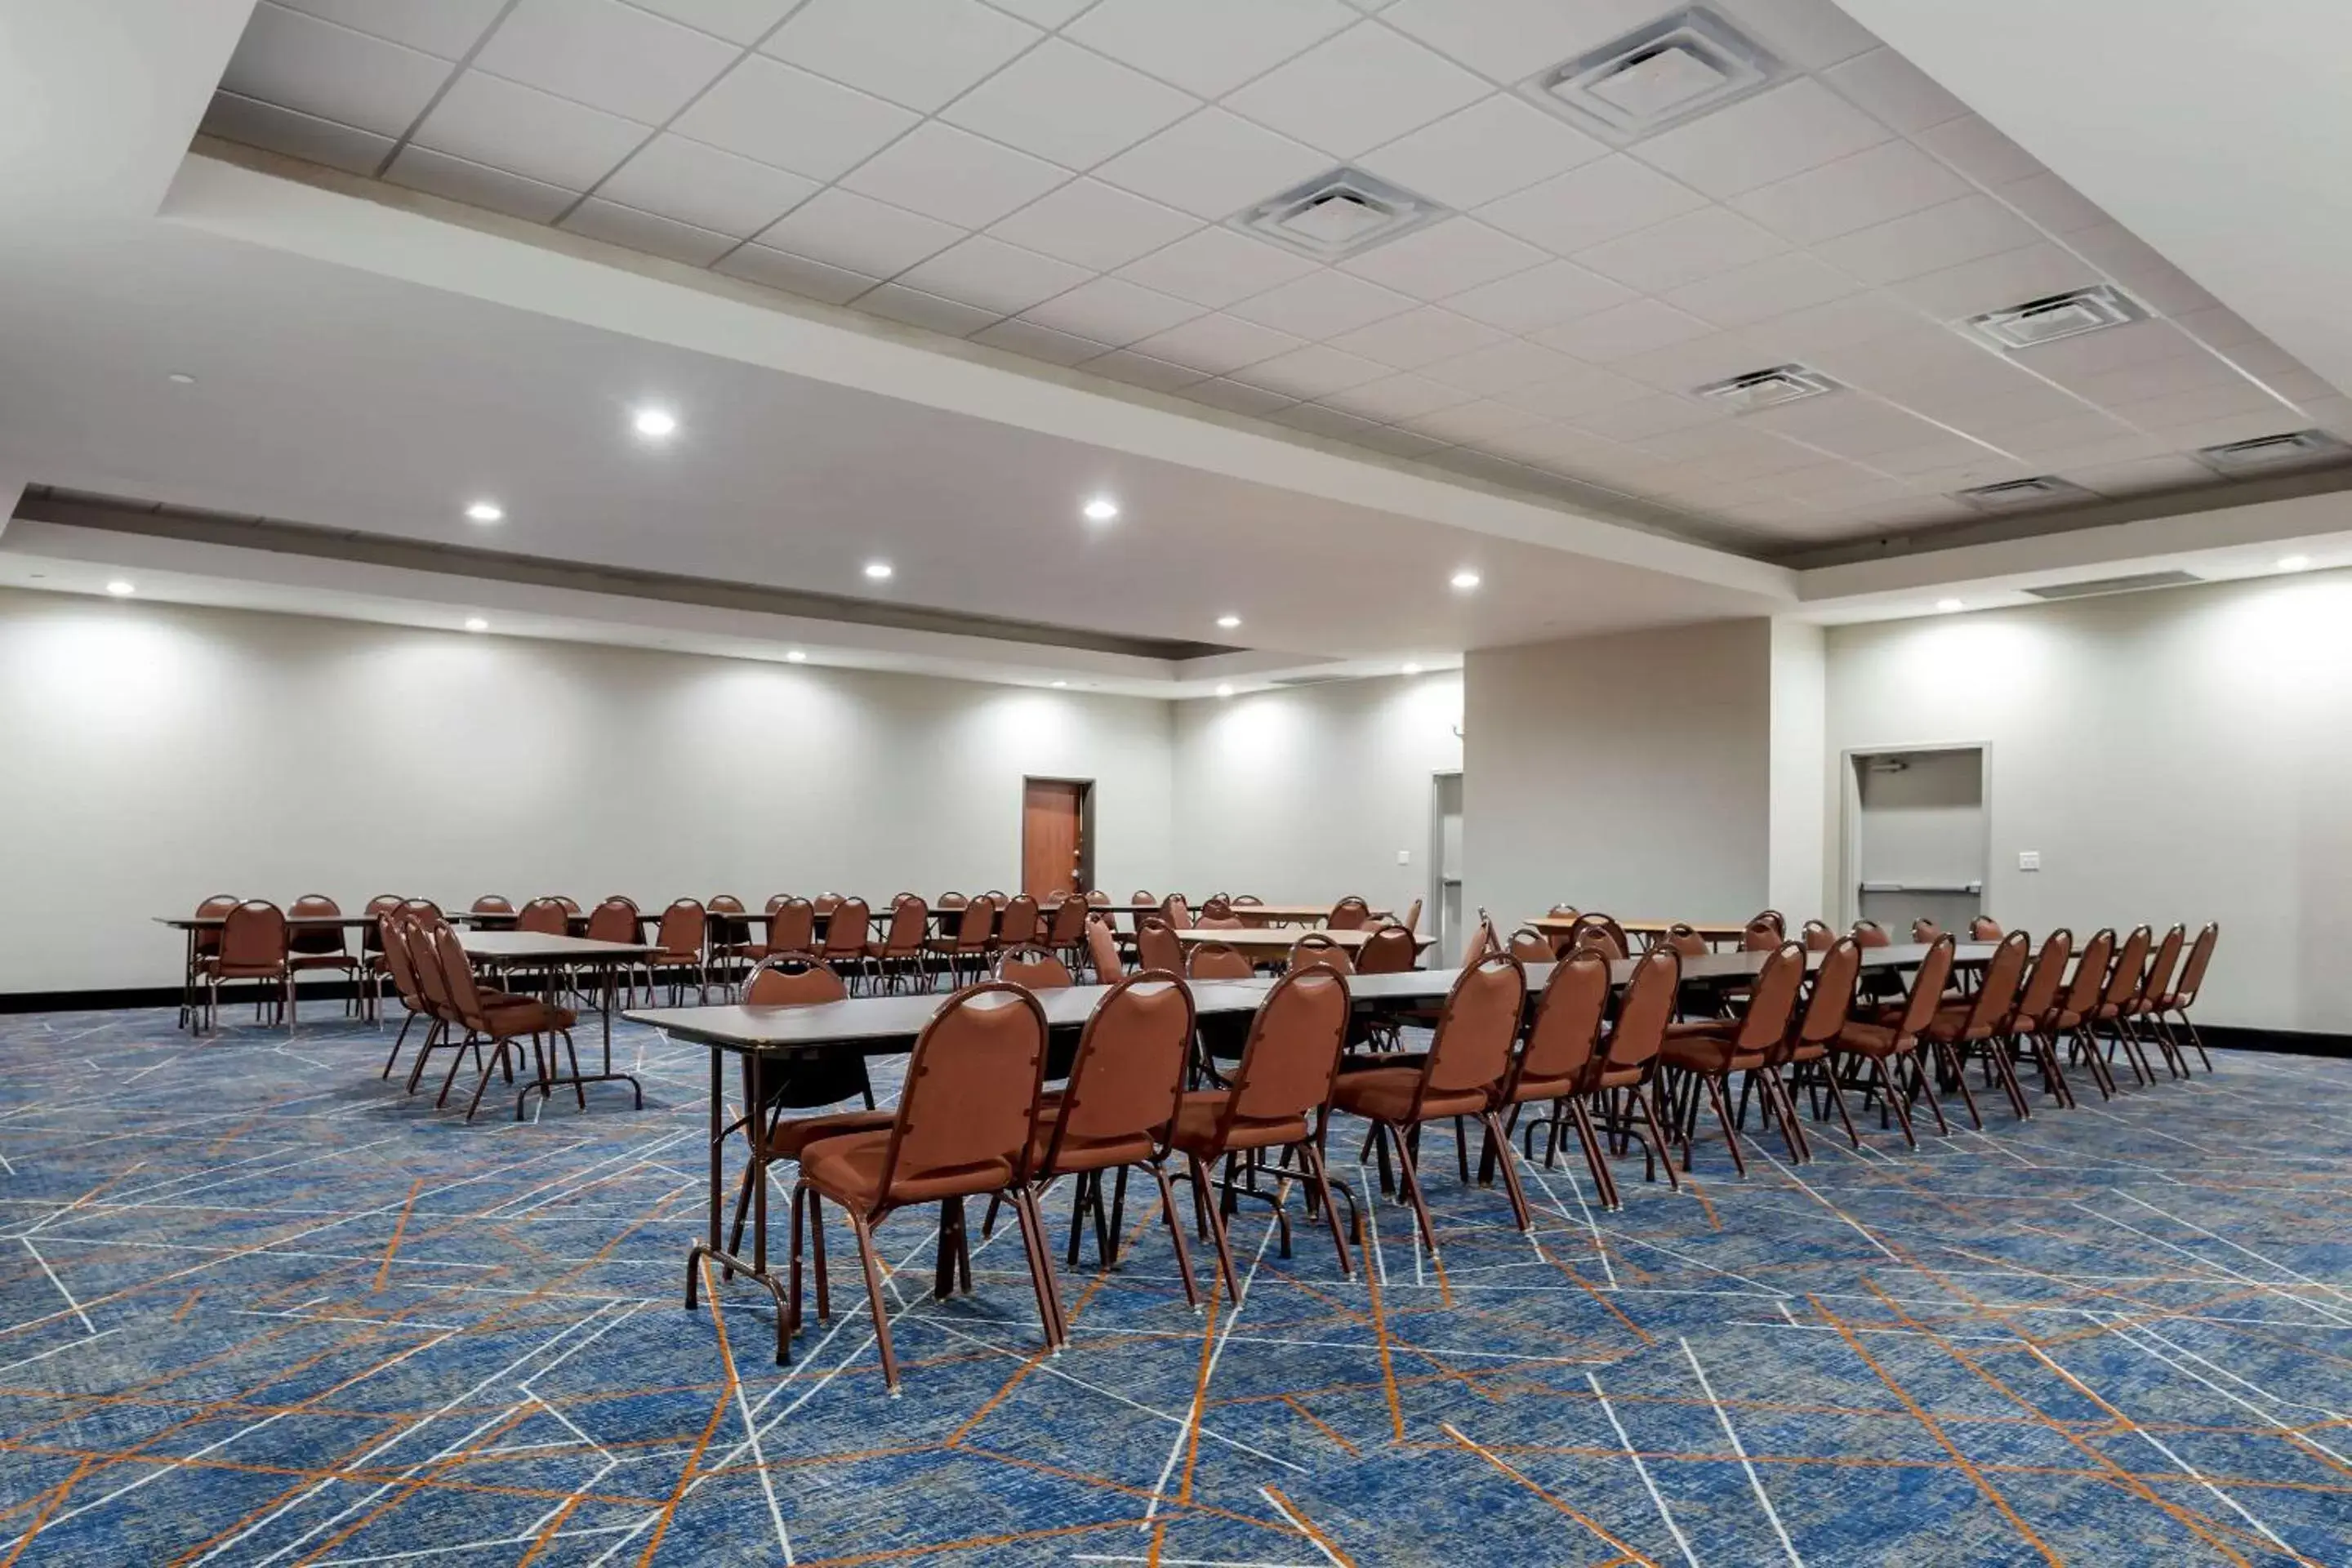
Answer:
(1339, 215)
(2275, 451)
(1766, 388)
(2016, 495)
(1682, 65)
(2039, 322)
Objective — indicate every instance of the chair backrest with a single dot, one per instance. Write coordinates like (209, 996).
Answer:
(1619, 947)
(1034, 967)
(1648, 1007)
(618, 899)
(1215, 961)
(1351, 914)
(1834, 984)
(1176, 911)
(726, 926)
(1529, 945)
(1760, 935)
(372, 935)
(427, 908)
(1927, 984)
(791, 925)
(1984, 928)
(1217, 906)
(2159, 970)
(1219, 923)
(2041, 991)
(215, 907)
(976, 926)
(457, 975)
(1997, 991)
(614, 920)
(967, 1113)
(2199, 955)
(844, 929)
(1097, 898)
(1247, 899)
(1567, 1026)
(1141, 895)
(544, 917)
(1388, 950)
(414, 934)
(1772, 999)
(1870, 933)
(392, 937)
(1596, 939)
(1924, 929)
(1772, 918)
(1818, 936)
(493, 904)
(571, 905)
(2131, 965)
(792, 980)
(316, 939)
(1477, 1028)
(683, 925)
(1293, 1052)
(1102, 950)
(1053, 900)
(1562, 912)
(254, 933)
(1685, 941)
(1017, 927)
(1316, 948)
(825, 902)
(1411, 922)
(1127, 1078)
(952, 900)
(726, 904)
(775, 901)
(910, 922)
(2091, 972)
(1481, 942)
(1156, 946)
(1067, 929)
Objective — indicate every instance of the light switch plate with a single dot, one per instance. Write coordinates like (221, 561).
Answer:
(2029, 860)
(1404, 856)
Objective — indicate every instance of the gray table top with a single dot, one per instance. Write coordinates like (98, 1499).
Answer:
(527, 946)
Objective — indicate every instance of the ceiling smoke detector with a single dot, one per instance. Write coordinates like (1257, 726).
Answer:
(2039, 322)
(2275, 451)
(2017, 495)
(1339, 215)
(1689, 63)
(1766, 388)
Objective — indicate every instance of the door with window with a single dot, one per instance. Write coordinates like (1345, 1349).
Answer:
(1055, 857)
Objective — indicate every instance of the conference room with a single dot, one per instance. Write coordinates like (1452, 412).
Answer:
(1173, 781)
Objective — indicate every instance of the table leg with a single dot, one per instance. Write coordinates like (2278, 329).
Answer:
(609, 970)
(731, 1265)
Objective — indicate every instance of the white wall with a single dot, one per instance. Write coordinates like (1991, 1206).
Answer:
(1630, 773)
(1798, 869)
(2179, 755)
(1308, 794)
(153, 754)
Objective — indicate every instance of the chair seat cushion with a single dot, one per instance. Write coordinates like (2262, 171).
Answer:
(1869, 1039)
(1385, 1094)
(525, 1014)
(848, 1170)
(1708, 1051)
(1533, 1087)
(1078, 1153)
(1196, 1127)
(789, 1137)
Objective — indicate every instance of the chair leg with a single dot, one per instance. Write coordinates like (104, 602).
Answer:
(793, 1268)
(1837, 1097)
(498, 1059)
(1510, 1173)
(1887, 1096)
(1596, 1159)
(2053, 1077)
(2195, 1038)
(874, 1300)
(1723, 1116)
(1311, 1154)
(1409, 1175)
(1919, 1087)
(1049, 1296)
(396, 1041)
(1176, 1234)
(1957, 1069)
(1214, 1224)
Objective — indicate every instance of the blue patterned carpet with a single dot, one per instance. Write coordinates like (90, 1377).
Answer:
(261, 1307)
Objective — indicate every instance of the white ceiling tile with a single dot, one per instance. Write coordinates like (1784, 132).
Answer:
(1069, 104)
(1113, 312)
(1699, 362)
(444, 27)
(1759, 140)
(2173, 409)
(1540, 297)
(1730, 449)
(1207, 46)
(1589, 204)
(994, 276)
(2037, 442)
(1212, 164)
(1142, 370)
(920, 310)
(1396, 441)
(1807, 34)
(1501, 367)
(953, 175)
(436, 173)
(1234, 398)
(2052, 202)
(1034, 342)
(1763, 290)
(1929, 241)
(1215, 266)
(299, 62)
(736, 21)
(2140, 476)
(1045, 12)
(1482, 421)
(1395, 397)
(769, 112)
(920, 53)
(795, 274)
(289, 131)
(1096, 225)
(1856, 319)
(1510, 40)
(1350, 94)
(488, 120)
(843, 229)
(2223, 429)
(2153, 378)
(655, 236)
(2137, 265)
(1623, 331)
(1641, 417)
(2033, 272)
(1416, 337)
(1854, 193)
(1216, 344)
(1496, 146)
(606, 55)
(1980, 152)
(684, 179)
(1682, 249)
(1318, 420)
(1323, 304)
(2279, 370)
(1445, 258)
(1583, 389)
(1894, 90)
(2219, 328)
(1314, 371)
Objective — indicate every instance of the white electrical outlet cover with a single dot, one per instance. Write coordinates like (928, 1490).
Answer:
(2029, 860)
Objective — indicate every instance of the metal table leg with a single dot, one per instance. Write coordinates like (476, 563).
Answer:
(730, 1264)
(547, 1085)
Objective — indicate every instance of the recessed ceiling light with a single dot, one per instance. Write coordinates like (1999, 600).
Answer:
(879, 569)
(655, 423)
(181, 378)
(796, 656)
(1229, 622)
(1465, 579)
(1411, 669)
(1225, 691)
(122, 589)
(1948, 606)
(1060, 685)
(487, 512)
(2294, 563)
(476, 624)
(1102, 509)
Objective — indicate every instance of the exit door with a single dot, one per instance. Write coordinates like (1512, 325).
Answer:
(1919, 845)
(1056, 854)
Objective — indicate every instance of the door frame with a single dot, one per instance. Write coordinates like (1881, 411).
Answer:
(1434, 911)
(1849, 891)
(1086, 788)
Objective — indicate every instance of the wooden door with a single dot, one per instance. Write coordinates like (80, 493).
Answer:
(1053, 837)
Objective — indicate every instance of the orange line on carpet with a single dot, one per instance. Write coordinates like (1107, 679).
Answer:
(1298, 1516)
(57, 1497)
(384, 1270)
(1323, 1427)
(718, 1413)
(1638, 1332)
(1626, 1550)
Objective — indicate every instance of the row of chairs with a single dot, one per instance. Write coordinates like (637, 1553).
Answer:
(434, 980)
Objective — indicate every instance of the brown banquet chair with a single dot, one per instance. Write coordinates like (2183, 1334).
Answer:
(2036, 1019)
(2067, 1016)
(1957, 1028)
(731, 941)
(317, 947)
(2125, 983)
(2183, 996)
(1351, 914)
(900, 959)
(544, 917)
(1066, 931)
(1529, 945)
(847, 946)
(1924, 931)
(792, 924)
(2140, 1009)
(1017, 926)
(1216, 961)
(374, 969)
(1704, 1055)
(803, 1083)
(1033, 968)
(1391, 950)
(1895, 1037)
(1156, 946)
(1102, 951)
(1815, 1029)
(1984, 928)
(1316, 948)
(966, 952)
(500, 1019)
(1817, 936)
(252, 947)
(677, 942)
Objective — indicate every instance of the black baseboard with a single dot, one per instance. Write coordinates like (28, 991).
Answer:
(2288, 1042)
(233, 992)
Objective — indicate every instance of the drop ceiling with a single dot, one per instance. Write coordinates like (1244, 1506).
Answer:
(1061, 180)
